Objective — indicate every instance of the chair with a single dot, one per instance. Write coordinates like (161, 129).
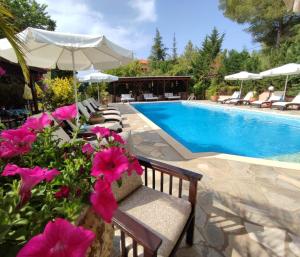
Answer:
(276, 96)
(235, 95)
(104, 118)
(126, 98)
(285, 105)
(191, 97)
(170, 96)
(245, 100)
(152, 219)
(91, 109)
(150, 97)
(97, 106)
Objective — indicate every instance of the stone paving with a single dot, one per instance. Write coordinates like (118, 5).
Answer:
(243, 209)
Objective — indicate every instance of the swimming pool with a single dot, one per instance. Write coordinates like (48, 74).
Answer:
(209, 128)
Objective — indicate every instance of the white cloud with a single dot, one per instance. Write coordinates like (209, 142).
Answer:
(145, 8)
(78, 17)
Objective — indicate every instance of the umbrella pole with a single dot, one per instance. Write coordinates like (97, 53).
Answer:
(241, 89)
(75, 89)
(98, 92)
(285, 86)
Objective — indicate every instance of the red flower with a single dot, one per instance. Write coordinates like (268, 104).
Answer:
(67, 112)
(59, 239)
(29, 178)
(135, 166)
(118, 138)
(101, 132)
(103, 200)
(16, 142)
(37, 124)
(63, 192)
(88, 149)
(111, 163)
(2, 72)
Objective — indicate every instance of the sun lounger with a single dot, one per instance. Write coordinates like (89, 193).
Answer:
(170, 96)
(235, 95)
(150, 97)
(97, 106)
(126, 98)
(286, 105)
(91, 109)
(245, 100)
(83, 111)
(276, 96)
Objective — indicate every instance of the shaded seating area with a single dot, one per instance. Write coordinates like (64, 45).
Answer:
(149, 88)
(286, 105)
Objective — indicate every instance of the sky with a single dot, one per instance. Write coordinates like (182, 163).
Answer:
(132, 23)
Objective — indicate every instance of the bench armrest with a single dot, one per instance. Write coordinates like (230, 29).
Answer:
(139, 233)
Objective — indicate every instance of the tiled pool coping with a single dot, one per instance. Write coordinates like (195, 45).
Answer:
(187, 154)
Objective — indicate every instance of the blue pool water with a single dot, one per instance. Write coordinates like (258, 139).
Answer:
(203, 128)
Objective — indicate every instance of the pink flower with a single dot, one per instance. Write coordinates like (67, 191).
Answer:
(111, 163)
(29, 178)
(59, 239)
(88, 149)
(16, 142)
(100, 131)
(135, 166)
(118, 138)
(37, 124)
(63, 192)
(103, 200)
(67, 112)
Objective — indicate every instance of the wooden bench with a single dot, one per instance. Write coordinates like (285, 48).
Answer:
(153, 222)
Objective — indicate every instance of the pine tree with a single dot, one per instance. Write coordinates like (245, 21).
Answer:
(158, 51)
(174, 49)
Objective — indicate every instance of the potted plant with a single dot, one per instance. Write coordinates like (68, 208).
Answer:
(53, 191)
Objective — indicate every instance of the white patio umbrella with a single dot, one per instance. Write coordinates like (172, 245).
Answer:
(97, 77)
(50, 50)
(285, 70)
(242, 76)
(293, 5)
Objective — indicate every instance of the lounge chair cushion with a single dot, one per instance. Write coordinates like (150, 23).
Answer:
(158, 212)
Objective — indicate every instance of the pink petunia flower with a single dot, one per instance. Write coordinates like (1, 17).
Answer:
(103, 200)
(2, 72)
(29, 178)
(135, 166)
(67, 112)
(16, 142)
(101, 132)
(59, 239)
(111, 163)
(118, 138)
(87, 149)
(63, 192)
(37, 124)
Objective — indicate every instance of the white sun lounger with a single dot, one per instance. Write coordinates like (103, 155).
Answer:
(246, 99)
(98, 107)
(170, 96)
(150, 97)
(126, 98)
(276, 96)
(285, 105)
(91, 109)
(235, 95)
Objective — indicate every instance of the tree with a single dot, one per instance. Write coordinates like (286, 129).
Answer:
(8, 29)
(174, 49)
(29, 13)
(269, 22)
(158, 51)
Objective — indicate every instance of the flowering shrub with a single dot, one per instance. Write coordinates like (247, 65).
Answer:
(45, 183)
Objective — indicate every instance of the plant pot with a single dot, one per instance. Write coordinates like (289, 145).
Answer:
(214, 98)
(103, 243)
(96, 119)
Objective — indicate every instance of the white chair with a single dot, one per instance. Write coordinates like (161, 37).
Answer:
(126, 98)
(150, 97)
(245, 100)
(286, 105)
(170, 96)
(235, 95)
(276, 96)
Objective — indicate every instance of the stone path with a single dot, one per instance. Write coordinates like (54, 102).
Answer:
(243, 209)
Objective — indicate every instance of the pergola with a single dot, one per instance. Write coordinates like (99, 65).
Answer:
(158, 85)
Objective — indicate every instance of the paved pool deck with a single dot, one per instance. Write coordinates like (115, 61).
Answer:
(244, 208)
